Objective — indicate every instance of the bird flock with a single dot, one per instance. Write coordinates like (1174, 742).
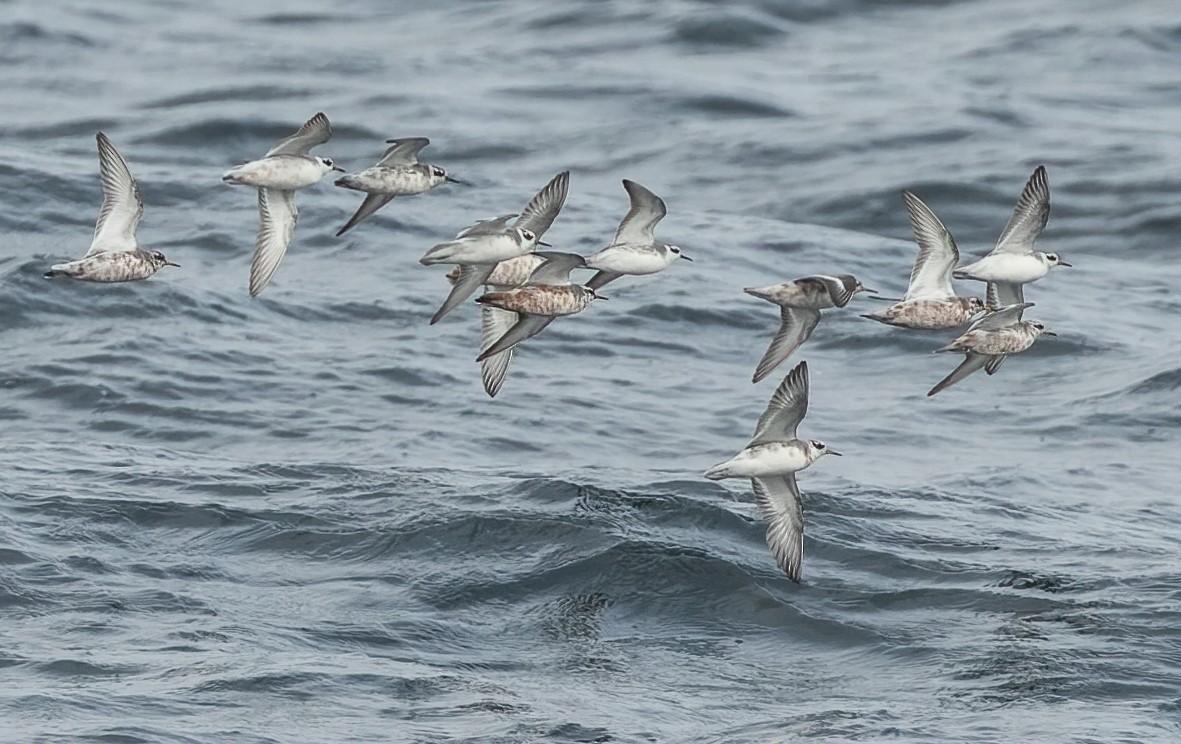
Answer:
(526, 289)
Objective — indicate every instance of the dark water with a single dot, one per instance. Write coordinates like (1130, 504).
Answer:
(299, 519)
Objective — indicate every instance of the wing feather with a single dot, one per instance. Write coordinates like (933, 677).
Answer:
(494, 324)
(403, 151)
(276, 224)
(972, 362)
(469, 280)
(639, 224)
(527, 326)
(122, 205)
(315, 131)
(1029, 217)
(931, 276)
(541, 211)
(796, 325)
(785, 411)
(780, 506)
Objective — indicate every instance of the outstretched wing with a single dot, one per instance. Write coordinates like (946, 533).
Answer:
(276, 225)
(1000, 318)
(972, 362)
(1000, 294)
(778, 499)
(639, 223)
(601, 279)
(931, 276)
(795, 326)
(469, 280)
(489, 226)
(543, 208)
(786, 410)
(122, 206)
(403, 151)
(1029, 216)
(369, 206)
(494, 324)
(315, 131)
(527, 326)
(557, 267)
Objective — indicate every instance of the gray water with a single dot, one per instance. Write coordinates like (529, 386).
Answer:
(300, 519)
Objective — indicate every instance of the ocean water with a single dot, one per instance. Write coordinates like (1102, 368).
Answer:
(300, 519)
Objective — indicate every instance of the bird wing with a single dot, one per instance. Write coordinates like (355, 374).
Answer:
(469, 280)
(1002, 294)
(602, 279)
(639, 223)
(778, 499)
(315, 131)
(543, 208)
(931, 276)
(403, 151)
(369, 206)
(972, 362)
(786, 410)
(556, 269)
(122, 205)
(276, 225)
(527, 326)
(489, 226)
(1000, 318)
(796, 325)
(1029, 216)
(494, 324)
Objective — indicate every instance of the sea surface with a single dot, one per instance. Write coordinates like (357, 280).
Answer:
(299, 519)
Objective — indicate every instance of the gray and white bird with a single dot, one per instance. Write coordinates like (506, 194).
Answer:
(285, 168)
(800, 303)
(634, 249)
(771, 460)
(537, 217)
(494, 321)
(480, 247)
(1013, 262)
(114, 254)
(548, 294)
(990, 340)
(398, 173)
(930, 302)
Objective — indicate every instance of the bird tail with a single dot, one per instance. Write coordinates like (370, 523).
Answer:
(720, 471)
(439, 254)
(58, 270)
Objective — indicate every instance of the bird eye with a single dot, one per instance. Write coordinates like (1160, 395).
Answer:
(327, 161)
(527, 234)
(1052, 256)
(675, 249)
(820, 445)
(438, 172)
